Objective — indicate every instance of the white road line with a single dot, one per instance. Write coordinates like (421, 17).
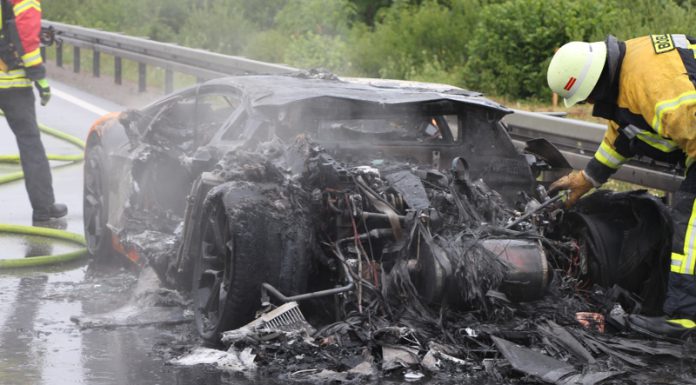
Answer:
(79, 102)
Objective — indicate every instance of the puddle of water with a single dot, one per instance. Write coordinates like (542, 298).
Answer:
(19, 356)
(6, 168)
(59, 343)
(16, 246)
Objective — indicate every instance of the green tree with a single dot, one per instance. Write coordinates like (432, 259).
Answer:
(367, 9)
(310, 33)
(269, 45)
(324, 17)
(262, 12)
(171, 16)
(157, 19)
(426, 41)
(219, 26)
(653, 17)
(510, 49)
(498, 46)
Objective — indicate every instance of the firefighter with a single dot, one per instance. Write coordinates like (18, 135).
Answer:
(21, 66)
(646, 88)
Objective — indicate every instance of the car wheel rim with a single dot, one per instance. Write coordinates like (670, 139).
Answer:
(212, 283)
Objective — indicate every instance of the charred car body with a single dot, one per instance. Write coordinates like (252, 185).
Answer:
(346, 195)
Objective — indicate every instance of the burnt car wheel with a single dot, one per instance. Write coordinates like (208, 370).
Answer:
(223, 296)
(212, 274)
(96, 204)
(624, 239)
(245, 240)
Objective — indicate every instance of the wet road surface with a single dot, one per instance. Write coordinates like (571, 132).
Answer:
(40, 342)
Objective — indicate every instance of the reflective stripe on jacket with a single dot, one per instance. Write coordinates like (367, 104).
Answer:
(684, 259)
(655, 103)
(27, 19)
(13, 79)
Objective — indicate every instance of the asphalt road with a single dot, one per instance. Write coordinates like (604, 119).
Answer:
(39, 343)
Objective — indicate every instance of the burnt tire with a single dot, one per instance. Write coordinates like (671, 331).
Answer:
(244, 242)
(95, 202)
(626, 239)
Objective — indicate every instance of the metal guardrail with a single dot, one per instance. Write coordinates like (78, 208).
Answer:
(577, 140)
(196, 62)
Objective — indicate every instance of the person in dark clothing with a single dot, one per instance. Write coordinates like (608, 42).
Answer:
(21, 66)
(646, 88)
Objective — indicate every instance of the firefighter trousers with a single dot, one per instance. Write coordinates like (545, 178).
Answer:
(18, 106)
(681, 290)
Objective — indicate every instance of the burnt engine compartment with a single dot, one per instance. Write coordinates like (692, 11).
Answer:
(379, 232)
(403, 254)
(439, 234)
(385, 248)
(405, 229)
(395, 252)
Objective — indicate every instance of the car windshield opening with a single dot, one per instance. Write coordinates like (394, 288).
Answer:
(428, 128)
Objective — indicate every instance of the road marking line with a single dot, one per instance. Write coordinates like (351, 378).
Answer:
(79, 102)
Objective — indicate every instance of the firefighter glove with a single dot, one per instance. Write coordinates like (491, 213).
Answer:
(577, 182)
(44, 90)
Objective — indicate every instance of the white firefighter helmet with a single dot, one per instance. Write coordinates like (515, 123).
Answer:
(574, 70)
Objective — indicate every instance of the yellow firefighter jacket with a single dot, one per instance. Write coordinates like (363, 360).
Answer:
(650, 102)
(20, 43)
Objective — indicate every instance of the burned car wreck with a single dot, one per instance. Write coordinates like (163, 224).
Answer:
(415, 236)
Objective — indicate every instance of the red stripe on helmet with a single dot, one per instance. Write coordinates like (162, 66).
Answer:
(570, 83)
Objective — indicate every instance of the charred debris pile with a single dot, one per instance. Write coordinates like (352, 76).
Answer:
(420, 273)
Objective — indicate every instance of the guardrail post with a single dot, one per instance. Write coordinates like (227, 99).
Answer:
(43, 54)
(168, 81)
(118, 70)
(76, 59)
(142, 77)
(59, 55)
(96, 64)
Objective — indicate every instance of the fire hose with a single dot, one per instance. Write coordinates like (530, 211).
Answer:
(43, 231)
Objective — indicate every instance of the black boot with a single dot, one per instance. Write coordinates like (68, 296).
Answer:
(661, 326)
(56, 210)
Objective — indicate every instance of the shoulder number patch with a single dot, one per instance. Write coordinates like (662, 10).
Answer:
(662, 43)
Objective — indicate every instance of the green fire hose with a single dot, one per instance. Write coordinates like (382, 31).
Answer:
(43, 231)
(44, 259)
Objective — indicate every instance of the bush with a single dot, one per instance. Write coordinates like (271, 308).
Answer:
(324, 17)
(156, 19)
(655, 17)
(313, 33)
(515, 40)
(426, 41)
(269, 46)
(313, 50)
(367, 9)
(261, 13)
(217, 26)
(498, 46)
